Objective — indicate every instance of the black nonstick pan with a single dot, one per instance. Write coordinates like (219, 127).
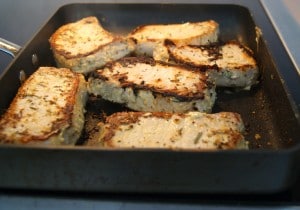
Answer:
(270, 111)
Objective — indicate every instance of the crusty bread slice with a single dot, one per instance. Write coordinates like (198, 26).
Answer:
(48, 109)
(229, 65)
(85, 45)
(150, 38)
(192, 130)
(143, 84)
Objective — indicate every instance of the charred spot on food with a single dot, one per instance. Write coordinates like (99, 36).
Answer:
(136, 92)
(191, 65)
(210, 85)
(205, 68)
(134, 40)
(213, 50)
(243, 47)
(128, 61)
(181, 97)
(122, 78)
(157, 80)
(97, 74)
(155, 95)
(69, 55)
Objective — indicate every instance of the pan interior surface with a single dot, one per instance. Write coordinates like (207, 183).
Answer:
(272, 125)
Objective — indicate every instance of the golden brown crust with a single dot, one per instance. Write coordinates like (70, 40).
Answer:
(62, 33)
(34, 101)
(181, 95)
(214, 52)
(114, 121)
(85, 45)
(192, 130)
(210, 27)
(67, 56)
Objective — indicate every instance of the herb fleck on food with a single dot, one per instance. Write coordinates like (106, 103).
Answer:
(198, 137)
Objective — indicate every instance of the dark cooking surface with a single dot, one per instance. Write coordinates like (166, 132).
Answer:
(266, 118)
(265, 109)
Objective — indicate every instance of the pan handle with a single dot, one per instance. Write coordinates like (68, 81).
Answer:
(9, 47)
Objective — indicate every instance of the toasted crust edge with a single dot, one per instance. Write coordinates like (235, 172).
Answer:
(187, 96)
(150, 45)
(248, 73)
(140, 97)
(112, 123)
(117, 48)
(84, 64)
(71, 125)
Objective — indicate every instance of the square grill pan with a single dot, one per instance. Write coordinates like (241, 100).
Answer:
(270, 110)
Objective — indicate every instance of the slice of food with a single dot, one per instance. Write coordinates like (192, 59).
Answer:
(229, 65)
(84, 46)
(48, 109)
(150, 38)
(143, 84)
(192, 130)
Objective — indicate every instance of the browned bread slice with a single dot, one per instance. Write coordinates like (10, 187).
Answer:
(192, 130)
(48, 109)
(229, 65)
(150, 38)
(85, 45)
(144, 84)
